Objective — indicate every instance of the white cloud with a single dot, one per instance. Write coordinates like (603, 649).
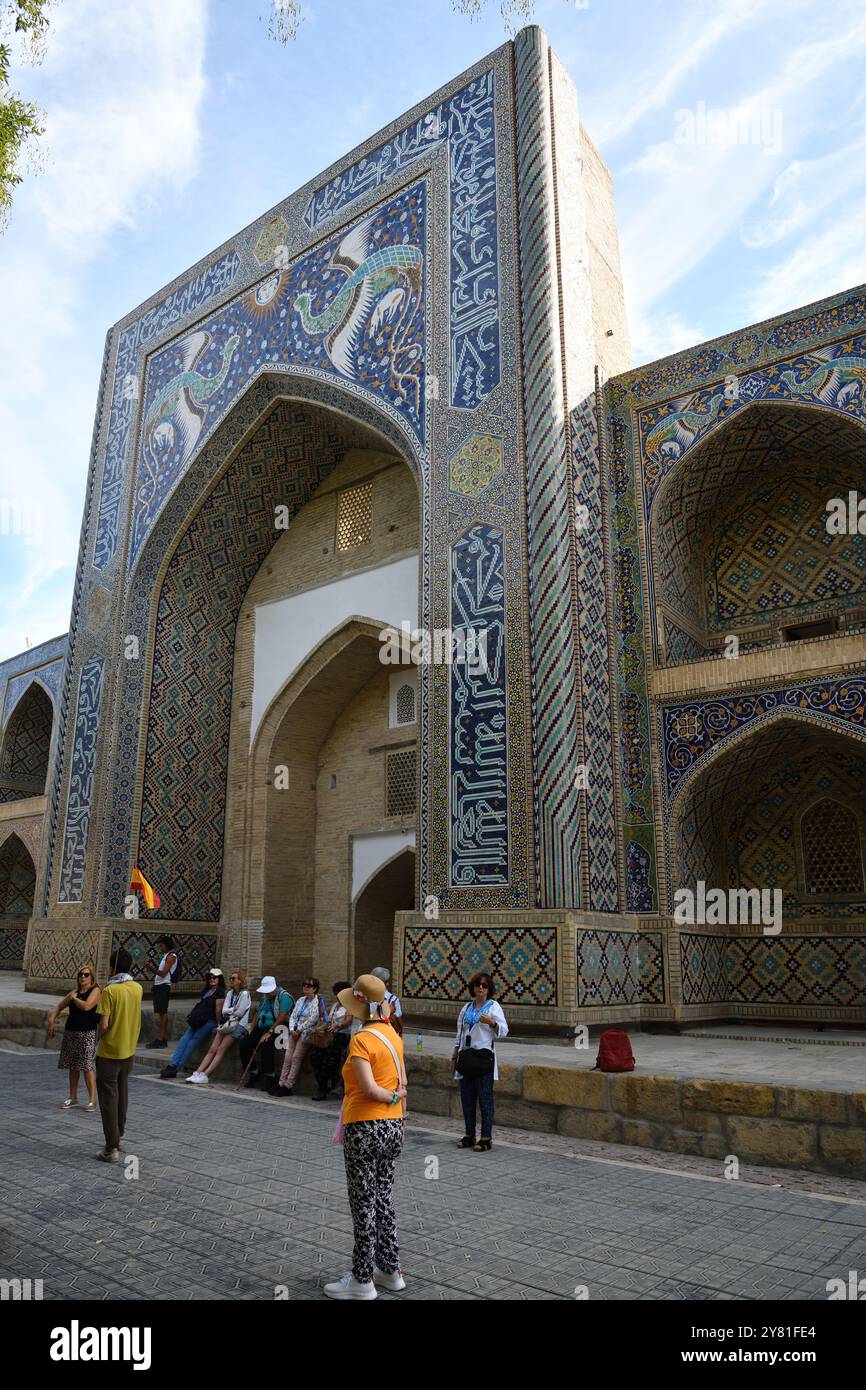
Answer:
(830, 260)
(659, 335)
(122, 88)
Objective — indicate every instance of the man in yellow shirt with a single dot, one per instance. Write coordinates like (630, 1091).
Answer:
(119, 1012)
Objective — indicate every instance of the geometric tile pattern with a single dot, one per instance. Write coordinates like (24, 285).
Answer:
(681, 646)
(832, 851)
(80, 795)
(773, 552)
(183, 794)
(49, 676)
(17, 879)
(703, 968)
(616, 967)
(196, 953)
(592, 635)
(479, 751)
(352, 308)
(26, 745)
(58, 951)
(464, 126)
(213, 281)
(796, 970)
(548, 488)
(13, 941)
(522, 961)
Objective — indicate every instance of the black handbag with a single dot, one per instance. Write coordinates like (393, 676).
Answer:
(475, 1061)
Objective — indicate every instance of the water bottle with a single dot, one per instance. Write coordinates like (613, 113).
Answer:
(419, 1043)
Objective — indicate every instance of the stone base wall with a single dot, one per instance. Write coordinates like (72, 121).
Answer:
(778, 1126)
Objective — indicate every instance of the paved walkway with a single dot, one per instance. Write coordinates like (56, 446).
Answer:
(242, 1197)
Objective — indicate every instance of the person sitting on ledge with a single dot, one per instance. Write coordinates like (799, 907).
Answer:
(274, 1006)
(307, 1013)
(200, 1024)
(234, 1026)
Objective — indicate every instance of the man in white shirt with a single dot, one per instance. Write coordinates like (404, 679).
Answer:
(162, 983)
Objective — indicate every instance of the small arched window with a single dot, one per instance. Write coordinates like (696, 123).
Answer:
(405, 704)
(403, 699)
(832, 858)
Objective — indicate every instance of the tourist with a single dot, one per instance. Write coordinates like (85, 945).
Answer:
(480, 1023)
(375, 1082)
(201, 1022)
(234, 1025)
(326, 1061)
(382, 972)
(78, 1048)
(274, 1006)
(307, 1013)
(119, 1010)
(162, 982)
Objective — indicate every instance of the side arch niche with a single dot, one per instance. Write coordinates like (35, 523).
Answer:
(26, 746)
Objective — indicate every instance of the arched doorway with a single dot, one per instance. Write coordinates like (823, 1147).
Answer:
(27, 746)
(738, 537)
(390, 890)
(17, 886)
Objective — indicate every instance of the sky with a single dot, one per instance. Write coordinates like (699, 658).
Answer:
(735, 131)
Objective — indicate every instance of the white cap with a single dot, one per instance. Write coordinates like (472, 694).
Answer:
(267, 986)
(214, 970)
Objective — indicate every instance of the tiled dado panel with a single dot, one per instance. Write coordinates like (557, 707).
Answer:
(615, 967)
(785, 970)
(58, 951)
(197, 952)
(438, 961)
(12, 942)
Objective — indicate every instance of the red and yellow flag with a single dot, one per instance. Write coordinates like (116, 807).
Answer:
(139, 882)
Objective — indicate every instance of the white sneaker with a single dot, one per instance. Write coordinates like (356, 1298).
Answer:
(394, 1282)
(198, 1078)
(348, 1287)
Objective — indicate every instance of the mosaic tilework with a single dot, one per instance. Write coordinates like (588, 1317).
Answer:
(703, 968)
(439, 960)
(466, 124)
(59, 950)
(476, 463)
(80, 796)
(689, 730)
(681, 645)
(48, 676)
(796, 970)
(619, 968)
(13, 940)
(554, 661)
(774, 553)
(767, 449)
(17, 879)
(26, 745)
(197, 952)
(593, 646)
(352, 307)
(479, 715)
(213, 281)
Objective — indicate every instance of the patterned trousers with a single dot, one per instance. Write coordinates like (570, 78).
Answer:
(477, 1089)
(371, 1148)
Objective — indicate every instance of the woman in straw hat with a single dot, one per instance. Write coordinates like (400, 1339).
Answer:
(375, 1082)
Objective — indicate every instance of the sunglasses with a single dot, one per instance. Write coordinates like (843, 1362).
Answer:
(309, 984)
(84, 975)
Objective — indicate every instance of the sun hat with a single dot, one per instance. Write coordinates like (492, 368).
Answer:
(365, 999)
(267, 986)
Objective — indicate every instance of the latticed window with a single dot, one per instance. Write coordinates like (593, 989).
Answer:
(400, 787)
(354, 516)
(831, 849)
(405, 704)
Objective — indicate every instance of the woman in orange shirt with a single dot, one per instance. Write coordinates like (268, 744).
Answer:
(374, 1077)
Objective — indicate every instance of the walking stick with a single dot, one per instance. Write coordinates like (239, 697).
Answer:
(249, 1063)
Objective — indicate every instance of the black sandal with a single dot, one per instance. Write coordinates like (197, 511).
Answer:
(467, 1142)
(483, 1146)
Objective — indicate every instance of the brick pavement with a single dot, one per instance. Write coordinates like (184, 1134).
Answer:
(239, 1195)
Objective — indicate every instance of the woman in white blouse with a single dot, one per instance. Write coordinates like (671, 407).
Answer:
(480, 1023)
(234, 1024)
(309, 1010)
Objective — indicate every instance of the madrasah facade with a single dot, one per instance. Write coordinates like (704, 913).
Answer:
(402, 399)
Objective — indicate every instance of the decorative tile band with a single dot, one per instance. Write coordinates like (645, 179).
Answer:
(554, 663)
(196, 951)
(353, 308)
(438, 962)
(795, 970)
(466, 125)
(213, 281)
(479, 714)
(79, 799)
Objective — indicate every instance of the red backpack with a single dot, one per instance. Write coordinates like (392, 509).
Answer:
(614, 1052)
